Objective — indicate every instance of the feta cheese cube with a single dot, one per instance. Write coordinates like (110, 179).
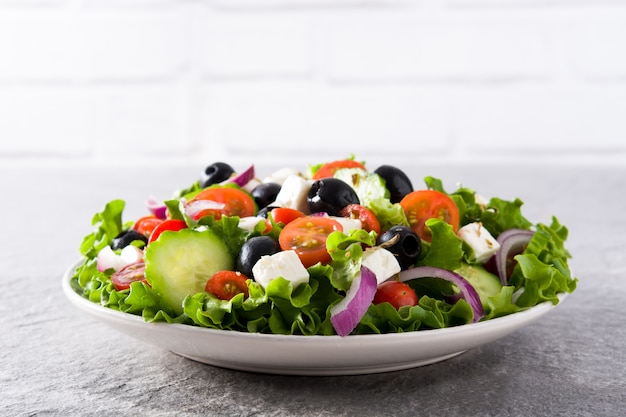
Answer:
(480, 242)
(281, 175)
(293, 194)
(348, 223)
(249, 223)
(382, 263)
(285, 264)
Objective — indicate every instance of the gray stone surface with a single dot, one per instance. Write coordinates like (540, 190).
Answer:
(56, 361)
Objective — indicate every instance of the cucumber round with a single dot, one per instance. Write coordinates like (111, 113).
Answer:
(484, 282)
(180, 263)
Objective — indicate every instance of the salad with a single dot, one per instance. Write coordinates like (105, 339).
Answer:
(337, 249)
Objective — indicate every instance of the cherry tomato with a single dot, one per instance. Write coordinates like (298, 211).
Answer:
(285, 215)
(422, 205)
(282, 215)
(362, 213)
(171, 224)
(328, 170)
(227, 284)
(307, 236)
(396, 293)
(130, 273)
(145, 225)
(236, 202)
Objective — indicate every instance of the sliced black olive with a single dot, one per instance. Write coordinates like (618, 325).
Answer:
(216, 173)
(330, 195)
(404, 243)
(265, 193)
(126, 238)
(396, 181)
(253, 250)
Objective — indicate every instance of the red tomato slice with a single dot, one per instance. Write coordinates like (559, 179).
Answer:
(422, 205)
(145, 225)
(328, 170)
(362, 213)
(285, 215)
(396, 293)
(282, 215)
(171, 224)
(130, 273)
(307, 236)
(236, 202)
(227, 284)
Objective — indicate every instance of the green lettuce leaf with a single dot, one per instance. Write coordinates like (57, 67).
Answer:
(107, 225)
(387, 213)
(346, 251)
(445, 249)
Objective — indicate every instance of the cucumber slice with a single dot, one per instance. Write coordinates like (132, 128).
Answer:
(180, 263)
(484, 282)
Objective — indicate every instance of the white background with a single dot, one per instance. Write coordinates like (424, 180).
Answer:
(299, 81)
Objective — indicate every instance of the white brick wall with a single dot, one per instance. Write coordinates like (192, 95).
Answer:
(194, 81)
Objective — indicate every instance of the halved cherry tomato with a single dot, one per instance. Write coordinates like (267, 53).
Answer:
(396, 293)
(282, 215)
(285, 215)
(362, 213)
(236, 202)
(130, 273)
(227, 284)
(307, 236)
(422, 205)
(145, 225)
(171, 224)
(328, 170)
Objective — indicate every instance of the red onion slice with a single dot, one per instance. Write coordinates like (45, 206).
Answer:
(158, 209)
(243, 178)
(466, 291)
(511, 241)
(196, 206)
(346, 314)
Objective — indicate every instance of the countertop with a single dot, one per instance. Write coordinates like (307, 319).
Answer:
(54, 360)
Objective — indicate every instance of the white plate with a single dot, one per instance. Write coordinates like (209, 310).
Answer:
(308, 355)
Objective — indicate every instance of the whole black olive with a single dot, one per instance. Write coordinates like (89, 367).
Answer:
(265, 193)
(330, 195)
(216, 173)
(125, 238)
(396, 181)
(404, 243)
(252, 250)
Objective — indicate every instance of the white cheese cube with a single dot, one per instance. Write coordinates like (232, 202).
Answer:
(284, 264)
(249, 223)
(348, 223)
(293, 194)
(481, 243)
(382, 263)
(281, 175)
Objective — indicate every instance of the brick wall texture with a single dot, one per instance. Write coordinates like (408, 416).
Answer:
(193, 81)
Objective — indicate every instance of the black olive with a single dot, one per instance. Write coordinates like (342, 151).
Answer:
(396, 181)
(252, 250)
(125, 238)
(404, 243)
(216, 173)
(330, 195)
(265, 193)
